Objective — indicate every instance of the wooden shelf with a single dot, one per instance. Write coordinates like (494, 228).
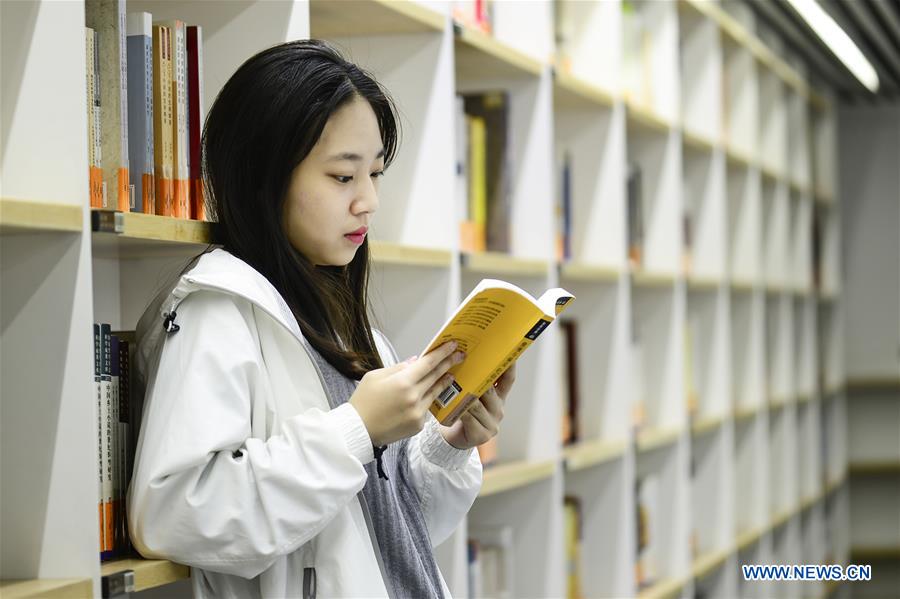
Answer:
(709, 562)
(742, 285)
(875, 468)
(480, 56)
(328, 19)
(571, 92)
(646, 278)
(137, 235)
(643, 118)
(385, 253)
(19, 217)
(47, 588)
(737, 159)
(747, 412)
(769, 175)
(707, 424)
(742, 37)
(587, 454)
(799, 188)
(698, 142)
(580, 271)
(703, 283)
(664, 589)
(514, 475)
(750, 537)
(494, 263)
(834, 484)
(651, 439)
(148, 574)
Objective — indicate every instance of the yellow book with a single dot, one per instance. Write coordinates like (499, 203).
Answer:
(163, 150)
(477, 184)
(179, 106)
(493, 326)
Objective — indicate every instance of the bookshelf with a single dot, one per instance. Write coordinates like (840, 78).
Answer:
(734, 139)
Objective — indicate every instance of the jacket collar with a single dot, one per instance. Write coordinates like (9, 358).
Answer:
(221, 271)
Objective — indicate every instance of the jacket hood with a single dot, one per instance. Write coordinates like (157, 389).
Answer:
(217, 270)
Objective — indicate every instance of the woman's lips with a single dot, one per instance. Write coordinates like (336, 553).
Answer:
(356, 238)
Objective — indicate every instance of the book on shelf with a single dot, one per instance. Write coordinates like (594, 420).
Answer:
(476, 14)
(574, 534)
(570, 390)
(140, 110)
(107, 18)
(690, 386)
(163, 123)
(493, 325)
(563, 210)
(635, 210)
(196, 117)
(638, 399)
(687, 232)
(95, 151)
(490, 195)
(647, 504)
(492, 569)
(470, 179)
(177, 43)
(115, 457)
(636, 54)
(817, 247)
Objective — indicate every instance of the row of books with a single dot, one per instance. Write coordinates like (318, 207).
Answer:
(483, 179)
(491, 557)
(477, 14)
(144, 84)
(115, 443)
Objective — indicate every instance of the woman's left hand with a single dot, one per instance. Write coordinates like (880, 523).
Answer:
(481, 422)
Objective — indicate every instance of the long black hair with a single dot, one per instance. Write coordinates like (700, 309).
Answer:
(264, 122)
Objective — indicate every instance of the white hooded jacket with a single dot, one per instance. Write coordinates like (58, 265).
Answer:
(242, 471)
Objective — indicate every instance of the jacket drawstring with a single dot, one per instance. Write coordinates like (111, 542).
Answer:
(380, 466)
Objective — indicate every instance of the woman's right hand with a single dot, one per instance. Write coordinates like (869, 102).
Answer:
(393, 402)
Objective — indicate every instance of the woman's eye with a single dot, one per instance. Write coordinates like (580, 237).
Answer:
(378, 174)
(342, 178)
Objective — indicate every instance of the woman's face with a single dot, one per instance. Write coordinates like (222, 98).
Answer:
(334, 191)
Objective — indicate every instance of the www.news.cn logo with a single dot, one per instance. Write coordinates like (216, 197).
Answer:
(807, 572)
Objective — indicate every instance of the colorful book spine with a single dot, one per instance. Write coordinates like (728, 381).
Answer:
(570, 376)
(114, 443)
(635, 216)
(163, 150)
(106, 401)
(108, 18)
(95, 172)
(195, 118)
(179, 100)
(125, 453)
(98, 397)
(140, 110)
(573, 530)
(477, 183)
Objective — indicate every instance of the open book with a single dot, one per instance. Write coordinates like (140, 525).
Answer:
(493, 326)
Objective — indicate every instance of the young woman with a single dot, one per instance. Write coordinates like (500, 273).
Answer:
(284, 450)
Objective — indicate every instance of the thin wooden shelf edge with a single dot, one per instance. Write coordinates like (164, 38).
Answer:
(587, 454)
(504, 477)
(372, 17)
(497, 263)
(384, 252)
(47, 588)
(148, 574)
(24, 216)
(481, 56)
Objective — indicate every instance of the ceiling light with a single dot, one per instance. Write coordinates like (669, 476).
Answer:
(837, 41)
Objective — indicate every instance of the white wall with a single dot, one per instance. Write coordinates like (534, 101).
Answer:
(869, 158)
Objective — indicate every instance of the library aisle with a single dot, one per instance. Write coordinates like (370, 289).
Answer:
(725, 390)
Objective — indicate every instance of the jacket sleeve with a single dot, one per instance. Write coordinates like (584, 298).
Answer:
(446, 479)
(205, 493)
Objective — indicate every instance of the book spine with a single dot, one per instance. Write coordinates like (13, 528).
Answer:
(114, 442)
(106, 418)
(98, 398)
(108, 18)
(478, 181)
(125, 460)
(140, 109)
(162, 121)
(95, 176)
(195, 118)
(99, 183)
(567, 207)
(179, 102)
